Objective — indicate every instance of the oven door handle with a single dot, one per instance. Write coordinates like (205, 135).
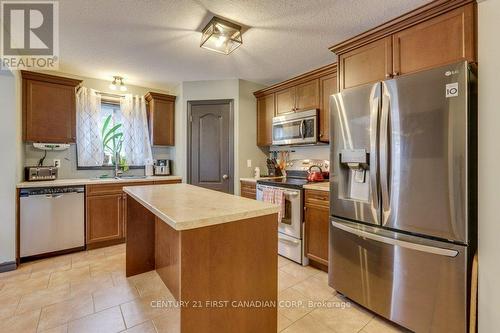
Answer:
(286, 240)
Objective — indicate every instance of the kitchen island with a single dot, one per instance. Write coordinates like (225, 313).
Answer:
(216, 253)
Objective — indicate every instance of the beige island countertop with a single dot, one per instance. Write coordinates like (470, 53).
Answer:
(184, 206)
(207, 247)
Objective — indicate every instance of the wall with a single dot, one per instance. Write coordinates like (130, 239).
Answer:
(68, 167)
(247, 132)
(9, 136)
(488, 162)
(241, 92)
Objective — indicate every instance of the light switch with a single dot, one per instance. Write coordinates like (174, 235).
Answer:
(249, 163)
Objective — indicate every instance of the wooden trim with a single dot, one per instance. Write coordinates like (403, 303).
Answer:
(314, 74)
(164, 97)
(8, 266)
(99, 244)
(402, 22)
(317, 262)
(35, 76)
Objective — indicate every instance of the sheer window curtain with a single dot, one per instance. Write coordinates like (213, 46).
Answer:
(88, 129)
(136, 143)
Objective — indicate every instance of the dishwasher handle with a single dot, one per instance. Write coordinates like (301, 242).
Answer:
(50, 192)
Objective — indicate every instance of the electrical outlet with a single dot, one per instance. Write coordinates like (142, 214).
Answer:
(57, 163)
(249, 163)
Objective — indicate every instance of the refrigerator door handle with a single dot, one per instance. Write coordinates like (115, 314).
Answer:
(384, 155)
(375, 201)
(396, 242)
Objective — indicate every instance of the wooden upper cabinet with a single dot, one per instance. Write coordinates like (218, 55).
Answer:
(265, 114)
(308, 91)
(49, 108)
(307, 95)
(285, 101)
(161, 114)
(433, 35)
(445, 39)
(328, 87)
(367, 64)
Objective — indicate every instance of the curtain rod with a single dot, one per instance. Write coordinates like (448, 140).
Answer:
(109, 94)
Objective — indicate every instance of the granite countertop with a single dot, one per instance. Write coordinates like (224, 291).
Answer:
(322, 186)
(184, 206)
(92, 181)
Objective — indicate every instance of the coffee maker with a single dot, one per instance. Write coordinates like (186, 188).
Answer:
(161, 167)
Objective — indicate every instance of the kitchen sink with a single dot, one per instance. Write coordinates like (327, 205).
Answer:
(131, 177)
(118, 178)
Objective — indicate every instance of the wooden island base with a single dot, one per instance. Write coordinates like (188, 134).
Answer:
(226, 275)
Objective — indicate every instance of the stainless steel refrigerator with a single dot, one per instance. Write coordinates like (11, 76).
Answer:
(403, 197)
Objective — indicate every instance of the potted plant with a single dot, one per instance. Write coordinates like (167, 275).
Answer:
(112, 142)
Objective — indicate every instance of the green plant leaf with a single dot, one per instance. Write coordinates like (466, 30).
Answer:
(105, 126)
(111, 132)
(114, 136)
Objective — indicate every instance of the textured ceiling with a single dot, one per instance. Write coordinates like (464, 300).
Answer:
(156, 43)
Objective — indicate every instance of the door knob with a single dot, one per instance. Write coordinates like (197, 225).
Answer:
(225, 177)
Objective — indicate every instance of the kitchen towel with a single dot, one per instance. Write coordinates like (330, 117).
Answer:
(279, 199)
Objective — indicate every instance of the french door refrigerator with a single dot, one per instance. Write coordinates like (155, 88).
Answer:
(403, 217)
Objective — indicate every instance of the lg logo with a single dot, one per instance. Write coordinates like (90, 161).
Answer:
(29, 33)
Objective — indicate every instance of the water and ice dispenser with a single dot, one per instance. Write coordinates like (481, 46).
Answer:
(355, 170)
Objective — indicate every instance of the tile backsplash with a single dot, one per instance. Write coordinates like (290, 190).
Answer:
(320, 152)
(68, 168)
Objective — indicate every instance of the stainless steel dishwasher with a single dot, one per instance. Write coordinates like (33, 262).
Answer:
(52, 219)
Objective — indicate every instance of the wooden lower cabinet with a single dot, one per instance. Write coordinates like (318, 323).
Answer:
(248, 189)
(106, 211)
(105, 217)
(317, 217)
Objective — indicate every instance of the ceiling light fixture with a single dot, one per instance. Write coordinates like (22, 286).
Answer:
(118, 84)
(221, 36)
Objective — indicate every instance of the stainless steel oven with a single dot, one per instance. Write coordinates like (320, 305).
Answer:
(290, 225)
(296, 128)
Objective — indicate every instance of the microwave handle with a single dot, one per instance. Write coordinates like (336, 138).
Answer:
(302, 130)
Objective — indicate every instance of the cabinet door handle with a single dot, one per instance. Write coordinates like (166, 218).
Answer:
(388, 75)
(395, 73)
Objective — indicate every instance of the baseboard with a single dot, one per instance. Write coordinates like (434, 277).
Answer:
(8, 266)
(97, 245)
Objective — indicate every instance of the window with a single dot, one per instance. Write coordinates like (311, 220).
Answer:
(111, 111)
(105, 127)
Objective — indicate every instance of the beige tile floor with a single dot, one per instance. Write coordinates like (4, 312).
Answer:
(88, 292)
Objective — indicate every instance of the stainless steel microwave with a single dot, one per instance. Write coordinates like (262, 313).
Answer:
(296, 128)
